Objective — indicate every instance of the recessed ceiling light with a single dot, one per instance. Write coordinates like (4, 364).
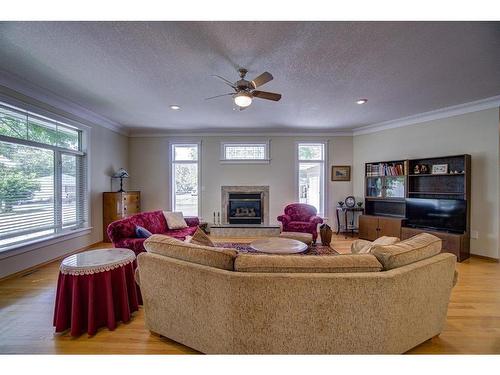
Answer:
(175, 107)
(361, 101)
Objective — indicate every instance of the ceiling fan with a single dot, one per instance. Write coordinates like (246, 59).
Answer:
(245, 91)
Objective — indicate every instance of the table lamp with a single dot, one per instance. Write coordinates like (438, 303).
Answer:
(121, 174)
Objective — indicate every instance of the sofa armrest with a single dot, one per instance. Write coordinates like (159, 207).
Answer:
(192, 221)
(284, 219)
(315, 220)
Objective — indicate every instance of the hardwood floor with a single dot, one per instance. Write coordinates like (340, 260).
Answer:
(27, 302)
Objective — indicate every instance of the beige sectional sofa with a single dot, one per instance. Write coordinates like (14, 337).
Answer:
(216, 301)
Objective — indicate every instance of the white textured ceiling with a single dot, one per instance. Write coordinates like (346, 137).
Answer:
(130, 72)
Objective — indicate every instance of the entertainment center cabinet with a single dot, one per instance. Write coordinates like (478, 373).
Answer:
(372, 227)
(407, 197)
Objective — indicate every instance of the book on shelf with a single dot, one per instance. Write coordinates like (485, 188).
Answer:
(385, 169)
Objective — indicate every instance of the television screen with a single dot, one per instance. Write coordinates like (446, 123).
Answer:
(445, 214)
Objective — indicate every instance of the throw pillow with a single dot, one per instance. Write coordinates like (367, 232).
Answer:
(142, 232)
(175, 220)
(384, 240)
(200, 238)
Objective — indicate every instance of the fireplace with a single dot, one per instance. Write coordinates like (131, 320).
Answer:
(247, 205)
(244, 208)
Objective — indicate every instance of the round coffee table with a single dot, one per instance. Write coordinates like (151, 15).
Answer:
(95, 288)
(276, 245)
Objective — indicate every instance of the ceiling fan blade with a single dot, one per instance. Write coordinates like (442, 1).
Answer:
(262, 79)
(266, 95)
(226, 81)
(218, 96)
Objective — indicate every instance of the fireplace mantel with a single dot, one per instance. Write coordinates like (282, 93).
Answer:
(264, 190)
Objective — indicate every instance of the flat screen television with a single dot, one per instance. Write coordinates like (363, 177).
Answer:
(441, 214)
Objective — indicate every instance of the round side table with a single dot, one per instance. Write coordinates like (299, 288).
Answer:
(95, 289)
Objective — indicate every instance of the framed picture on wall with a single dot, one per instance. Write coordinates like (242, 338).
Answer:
(341, 173)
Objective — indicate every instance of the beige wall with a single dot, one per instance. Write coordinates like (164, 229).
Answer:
(108, 152)
(148, 161)
(474, 133)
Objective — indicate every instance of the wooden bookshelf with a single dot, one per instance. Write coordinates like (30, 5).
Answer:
(385, 188)
(389, 183)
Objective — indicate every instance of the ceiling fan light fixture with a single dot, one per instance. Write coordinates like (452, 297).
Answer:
(242, 99)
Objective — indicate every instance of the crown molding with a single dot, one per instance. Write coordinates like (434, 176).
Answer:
(21, 86)
(193, 133)
(456, 110)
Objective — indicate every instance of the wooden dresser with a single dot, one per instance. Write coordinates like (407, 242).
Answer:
(119, 205)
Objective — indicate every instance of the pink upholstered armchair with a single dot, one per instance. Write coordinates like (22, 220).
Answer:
(301, 217)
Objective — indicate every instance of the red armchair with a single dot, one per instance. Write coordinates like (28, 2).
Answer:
(301, 217)
(122, 232)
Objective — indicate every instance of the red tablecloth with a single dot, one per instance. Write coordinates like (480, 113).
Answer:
(87, 302)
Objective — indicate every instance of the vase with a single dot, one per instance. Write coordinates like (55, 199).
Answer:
(326, 234)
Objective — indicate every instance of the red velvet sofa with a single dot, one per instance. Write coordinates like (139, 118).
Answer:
(122, 232)
(301, 217)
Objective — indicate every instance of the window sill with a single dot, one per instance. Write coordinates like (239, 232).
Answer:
(245, 161)
(24, 247)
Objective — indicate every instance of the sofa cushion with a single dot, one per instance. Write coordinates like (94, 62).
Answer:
(175, 220)
(421, 246)
(200, 238)
(205, 255)
(364, 247)
(307, 264)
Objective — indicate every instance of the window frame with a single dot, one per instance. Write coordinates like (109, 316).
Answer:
(265, 143)
(83, 144)
(172, 161)
(323, 209)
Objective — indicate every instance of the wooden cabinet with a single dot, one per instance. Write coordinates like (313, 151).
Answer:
(457, 244)
(368, 226)
(116, 206)
(372, 227)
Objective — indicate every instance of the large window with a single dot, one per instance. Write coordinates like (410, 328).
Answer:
(42, 177)
(245, 152)
(311, 174)
(185, 178)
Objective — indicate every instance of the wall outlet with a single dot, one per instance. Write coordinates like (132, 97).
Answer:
(474, 234)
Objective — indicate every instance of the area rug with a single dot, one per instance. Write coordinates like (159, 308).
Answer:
(245, 248)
